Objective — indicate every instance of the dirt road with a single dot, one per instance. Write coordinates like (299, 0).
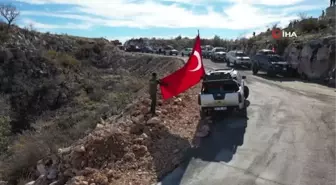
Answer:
(288, 139)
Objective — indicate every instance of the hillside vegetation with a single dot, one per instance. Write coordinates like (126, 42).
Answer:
(54, 89)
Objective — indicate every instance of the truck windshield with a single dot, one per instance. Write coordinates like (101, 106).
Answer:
(220, 87)
(275, 58)
(220, 50)
(241, 55)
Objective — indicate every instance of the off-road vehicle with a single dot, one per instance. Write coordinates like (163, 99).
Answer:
(223, 90)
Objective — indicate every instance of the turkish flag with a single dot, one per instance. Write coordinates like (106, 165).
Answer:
(187, 76)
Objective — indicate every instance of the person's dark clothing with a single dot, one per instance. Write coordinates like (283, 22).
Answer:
(153, 91)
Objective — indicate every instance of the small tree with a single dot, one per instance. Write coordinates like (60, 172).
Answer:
(10, 13)
(302, 15)
(253, 34)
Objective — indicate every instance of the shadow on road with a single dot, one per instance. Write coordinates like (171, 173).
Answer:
(279, 78)
(241, 68)
(226, 135)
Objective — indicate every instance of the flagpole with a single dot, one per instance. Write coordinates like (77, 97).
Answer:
(198, 32)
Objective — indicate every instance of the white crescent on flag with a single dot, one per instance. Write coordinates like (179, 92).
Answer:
(199, 61)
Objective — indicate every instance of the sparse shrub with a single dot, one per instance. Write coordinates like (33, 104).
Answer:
(67, 60)
(281, 45)
(323, 24)
(52, 54)
(4, 36)
(62, 58)
(309, 25)
(25, 152)
(5, 132)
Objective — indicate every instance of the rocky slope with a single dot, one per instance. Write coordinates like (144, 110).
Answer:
(54, 89)
(130, 148)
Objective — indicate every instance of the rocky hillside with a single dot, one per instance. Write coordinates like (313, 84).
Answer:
(129, 148)
(54, 89)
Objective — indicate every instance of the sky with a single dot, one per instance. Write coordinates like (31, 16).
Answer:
(126, 19)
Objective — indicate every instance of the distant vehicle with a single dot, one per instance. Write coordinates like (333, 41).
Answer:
(218, 54)
(273, 64)
(158, 50)
(206, 51)
(223, 90)
(147, 49)
(121, 47)
(238, 58)
(133, 48)
(169, 50)
(186, 52)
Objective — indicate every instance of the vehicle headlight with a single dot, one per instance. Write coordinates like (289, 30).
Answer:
(273, 62)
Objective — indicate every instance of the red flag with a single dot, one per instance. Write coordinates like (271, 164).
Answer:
(187, 76)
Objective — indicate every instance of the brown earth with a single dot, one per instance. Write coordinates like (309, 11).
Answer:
(131, 148)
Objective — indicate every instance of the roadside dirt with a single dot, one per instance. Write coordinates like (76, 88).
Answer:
(133, 147)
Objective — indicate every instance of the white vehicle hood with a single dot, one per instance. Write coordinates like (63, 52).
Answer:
(281, 63)
(243, 58)
(220, 52)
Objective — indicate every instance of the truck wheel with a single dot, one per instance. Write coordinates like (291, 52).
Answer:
(246, 92)
(243, 112)
(202, 114)
(235, 64)
(254, 69)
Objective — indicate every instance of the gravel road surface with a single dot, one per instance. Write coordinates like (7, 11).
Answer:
(288, 139)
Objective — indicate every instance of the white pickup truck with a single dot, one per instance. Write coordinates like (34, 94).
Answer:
(223, 90)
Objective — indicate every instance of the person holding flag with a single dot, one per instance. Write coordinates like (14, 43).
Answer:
(187, 76)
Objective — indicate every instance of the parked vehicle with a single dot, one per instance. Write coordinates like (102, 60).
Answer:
(169, 50)
(273, 64)
(218, 54)
(206, 50)
(186, 52)
(133, 48)
(223, 90)
(147, 49)
(238, 58)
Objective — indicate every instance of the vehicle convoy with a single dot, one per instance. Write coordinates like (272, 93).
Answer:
(186, 52)
(238, 58)
(218, 54)
(223, 90)
(169, 50)
(271, 63)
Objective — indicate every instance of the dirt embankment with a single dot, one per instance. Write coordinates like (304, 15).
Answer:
(130, 148)
(54, 89)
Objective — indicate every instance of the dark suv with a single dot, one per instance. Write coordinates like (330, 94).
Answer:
(271, 63)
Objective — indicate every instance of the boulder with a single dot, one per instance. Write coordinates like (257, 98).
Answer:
(154, 120)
